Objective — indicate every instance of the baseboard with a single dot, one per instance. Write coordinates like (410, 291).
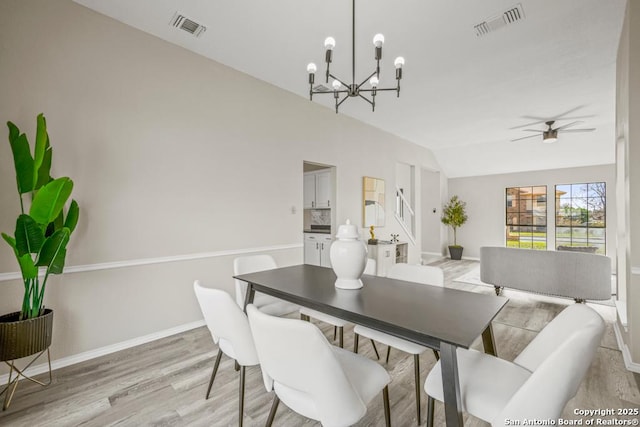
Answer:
(102, 351)
(471, 258)
(626, 354)
(432, 254)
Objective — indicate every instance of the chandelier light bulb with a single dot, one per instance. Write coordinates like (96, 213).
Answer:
(329, 43)
(374, 81)
(378, 40)
(336, 85)
(399, 62)
(311, 68)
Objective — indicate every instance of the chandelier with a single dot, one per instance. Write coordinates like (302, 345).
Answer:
(354, 89)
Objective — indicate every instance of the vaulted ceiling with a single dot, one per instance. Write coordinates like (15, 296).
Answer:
(465, 97)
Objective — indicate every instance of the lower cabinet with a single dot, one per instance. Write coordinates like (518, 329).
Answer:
(316, 249)
(388, 254)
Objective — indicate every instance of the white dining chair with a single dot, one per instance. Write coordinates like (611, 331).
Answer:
(339, 324)
(537, 384)
(229, 329)
(313, 378)
(422, 274)
(268, 304)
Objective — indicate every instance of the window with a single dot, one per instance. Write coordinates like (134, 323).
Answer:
(581, 216)
(526, 217)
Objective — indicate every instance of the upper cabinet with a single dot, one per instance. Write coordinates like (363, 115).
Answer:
(317, 189)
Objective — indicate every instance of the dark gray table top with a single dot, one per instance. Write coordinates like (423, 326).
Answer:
(420, 313)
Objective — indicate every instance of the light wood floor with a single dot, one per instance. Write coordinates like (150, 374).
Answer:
(163, 383)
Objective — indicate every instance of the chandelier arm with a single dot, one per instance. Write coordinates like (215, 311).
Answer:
(335, 78)
(379, 89)
(321, 92)
(366, 99)
(366, 80)
(342, 100)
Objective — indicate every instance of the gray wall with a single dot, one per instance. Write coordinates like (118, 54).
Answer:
(485, 197)
(179, 163)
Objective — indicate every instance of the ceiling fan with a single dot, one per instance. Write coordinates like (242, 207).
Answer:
(551, 134)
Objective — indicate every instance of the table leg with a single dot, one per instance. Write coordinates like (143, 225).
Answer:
(451, 385)
(488, 342)
(248, 298)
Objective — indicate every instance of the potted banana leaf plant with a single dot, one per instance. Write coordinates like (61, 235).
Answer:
(39, 242)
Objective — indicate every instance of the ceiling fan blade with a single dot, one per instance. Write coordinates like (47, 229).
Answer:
(568, 125)
(532, 130)
(524, 137)
(537, 122)
(578, 130)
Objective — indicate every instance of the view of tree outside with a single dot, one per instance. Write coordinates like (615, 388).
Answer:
(581, 215)
(526, 217)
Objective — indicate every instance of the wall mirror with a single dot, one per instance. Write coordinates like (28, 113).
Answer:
(373, 197)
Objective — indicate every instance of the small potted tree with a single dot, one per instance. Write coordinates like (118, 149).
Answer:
(454, 215)
(39, 243)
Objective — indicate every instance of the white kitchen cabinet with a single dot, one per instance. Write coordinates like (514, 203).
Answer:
(316, 249)
(317, 189)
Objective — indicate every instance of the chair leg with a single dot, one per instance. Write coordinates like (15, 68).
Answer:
(335, 328)
(272, 412)
(436, 354)
(356, 339)
(237, 366)
(430, 410)
(416, 372)
(241, 400)
(213, 374)
(375, 349)
(388, 353)
(387, 411)
(341, 336)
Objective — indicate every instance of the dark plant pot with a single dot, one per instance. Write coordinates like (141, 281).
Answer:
(455, 252)
(22, 338)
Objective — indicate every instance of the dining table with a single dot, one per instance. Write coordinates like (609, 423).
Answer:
(437, 317)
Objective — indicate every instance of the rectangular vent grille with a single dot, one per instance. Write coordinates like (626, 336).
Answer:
(322, 88)
(508, 17)
(183, 23)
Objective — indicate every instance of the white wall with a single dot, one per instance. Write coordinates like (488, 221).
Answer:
(485, 198)
(431, 225)
(628, 175)
(172, 155)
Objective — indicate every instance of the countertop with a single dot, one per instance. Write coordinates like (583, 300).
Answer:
(306, 230)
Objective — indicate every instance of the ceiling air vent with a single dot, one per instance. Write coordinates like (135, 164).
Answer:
(321, 88)
(508, 17)
(182, 22)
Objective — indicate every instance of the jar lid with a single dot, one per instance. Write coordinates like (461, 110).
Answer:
(347, 231)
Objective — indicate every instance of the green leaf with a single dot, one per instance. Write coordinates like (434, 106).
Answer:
(56, 225)
(53, 252)
(28, 268)
(72, 216)
(11, 241)
(22, 160)
(44, 173)
(41, 146)
(50, 200)
(29, 237)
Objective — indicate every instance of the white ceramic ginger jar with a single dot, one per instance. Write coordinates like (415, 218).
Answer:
(348, 257)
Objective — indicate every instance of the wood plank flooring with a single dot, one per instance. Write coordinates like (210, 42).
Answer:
(163, 383)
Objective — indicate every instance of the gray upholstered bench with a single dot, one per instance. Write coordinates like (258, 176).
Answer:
(578, 275)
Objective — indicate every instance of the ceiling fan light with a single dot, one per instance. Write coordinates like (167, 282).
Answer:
(549, 136)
